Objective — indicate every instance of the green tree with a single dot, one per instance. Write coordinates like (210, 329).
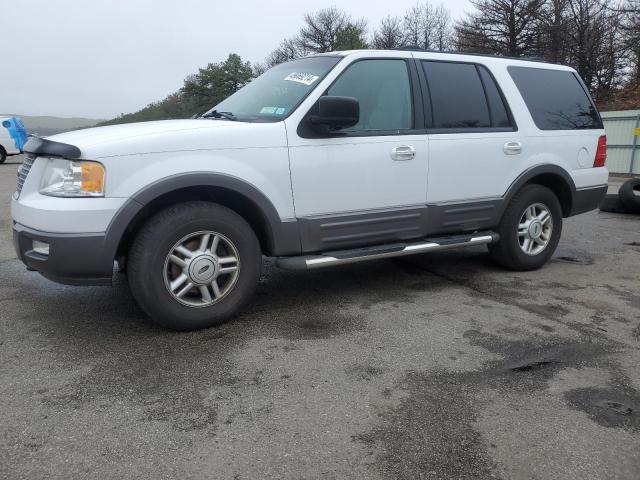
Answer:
(350, 37)
(200, 92)
(216, 82)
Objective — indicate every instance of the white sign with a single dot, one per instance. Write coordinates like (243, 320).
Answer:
(304, 78)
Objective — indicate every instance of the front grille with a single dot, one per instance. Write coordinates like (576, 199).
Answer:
(23, 171)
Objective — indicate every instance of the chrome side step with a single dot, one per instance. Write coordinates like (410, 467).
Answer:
(344, 257)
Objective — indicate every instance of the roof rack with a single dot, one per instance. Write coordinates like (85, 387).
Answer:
(413, 48)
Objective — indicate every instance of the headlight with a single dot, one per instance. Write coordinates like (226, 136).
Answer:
(69, 178)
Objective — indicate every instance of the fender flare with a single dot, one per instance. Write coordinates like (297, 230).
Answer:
(284, 237)
(526, 176)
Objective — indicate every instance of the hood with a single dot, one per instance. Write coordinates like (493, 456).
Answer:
(171, 135)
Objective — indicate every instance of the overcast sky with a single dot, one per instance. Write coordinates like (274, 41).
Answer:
(99, 58)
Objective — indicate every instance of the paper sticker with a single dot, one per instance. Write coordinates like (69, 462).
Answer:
(273, 110)
(304, 78)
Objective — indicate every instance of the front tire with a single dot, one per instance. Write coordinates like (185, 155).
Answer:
(194, 265)
(530, 229)
(3, 155)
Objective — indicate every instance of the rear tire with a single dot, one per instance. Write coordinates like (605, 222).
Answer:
(630, 195)
(3, 155)
(201, 244)
(530, 229)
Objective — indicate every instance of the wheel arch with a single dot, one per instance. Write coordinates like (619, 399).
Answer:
(277, 237)
(554, 177)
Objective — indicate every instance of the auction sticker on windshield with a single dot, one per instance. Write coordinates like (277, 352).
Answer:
(304, 78)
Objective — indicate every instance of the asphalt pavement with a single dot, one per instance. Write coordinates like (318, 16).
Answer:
(438, 366)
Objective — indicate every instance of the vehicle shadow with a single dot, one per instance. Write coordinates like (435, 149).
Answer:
(283, 299)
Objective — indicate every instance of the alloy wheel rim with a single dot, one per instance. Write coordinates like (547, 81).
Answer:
(535, 229)
(201, 269)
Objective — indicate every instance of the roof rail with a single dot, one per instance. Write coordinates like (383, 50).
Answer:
(413, 48)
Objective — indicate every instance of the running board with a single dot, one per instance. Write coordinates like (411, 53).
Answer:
(344, 257)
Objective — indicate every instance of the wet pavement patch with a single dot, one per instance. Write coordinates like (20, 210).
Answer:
(319, 325)
(571, 255)
(433, 428)
(636, 333)
(364, 372)
(577, 259)
(608, 407)
(529, 365)
(430, 434)
(162, 378)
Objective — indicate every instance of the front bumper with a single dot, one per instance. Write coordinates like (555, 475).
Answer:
(74, 259)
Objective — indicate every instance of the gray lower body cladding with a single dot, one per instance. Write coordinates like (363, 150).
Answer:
(74, 259)
(326, 233)
(88, 259)
(385, 226)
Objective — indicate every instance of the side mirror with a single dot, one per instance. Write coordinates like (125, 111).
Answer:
(335, 113)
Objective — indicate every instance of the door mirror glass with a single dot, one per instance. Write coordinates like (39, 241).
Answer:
(336, 113)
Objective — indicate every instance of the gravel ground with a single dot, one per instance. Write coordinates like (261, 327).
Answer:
(438, 366)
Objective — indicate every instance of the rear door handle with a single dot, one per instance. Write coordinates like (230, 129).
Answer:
(513, 148)
(403, 153)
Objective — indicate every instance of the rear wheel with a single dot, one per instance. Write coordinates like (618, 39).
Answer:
(194, 265)
(529, 230)
(3, 155)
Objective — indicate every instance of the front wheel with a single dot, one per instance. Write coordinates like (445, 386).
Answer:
(3, 155)
(529, 230)
(194, 265)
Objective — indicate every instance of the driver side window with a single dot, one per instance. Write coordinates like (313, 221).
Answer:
(383, 89)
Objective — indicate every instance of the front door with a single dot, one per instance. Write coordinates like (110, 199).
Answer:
(365, 185)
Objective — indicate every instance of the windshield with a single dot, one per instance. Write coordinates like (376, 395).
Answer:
(275, 94)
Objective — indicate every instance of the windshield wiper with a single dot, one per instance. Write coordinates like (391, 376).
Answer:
(217, 114)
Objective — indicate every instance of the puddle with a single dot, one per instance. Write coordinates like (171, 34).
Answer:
(608, 407)
(528, 367)
(576, 259)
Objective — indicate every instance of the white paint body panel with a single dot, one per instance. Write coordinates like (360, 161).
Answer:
(324, 176)
(472, 166)
(355, 174)
(137, 155)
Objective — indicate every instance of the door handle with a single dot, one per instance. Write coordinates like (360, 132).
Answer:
(513, 148)
(403, 153)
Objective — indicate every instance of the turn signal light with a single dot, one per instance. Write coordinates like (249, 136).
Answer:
(92, 177)
(601, 153)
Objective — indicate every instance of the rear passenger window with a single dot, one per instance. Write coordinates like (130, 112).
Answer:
(556, 99)
(499, 116)
(464, 96)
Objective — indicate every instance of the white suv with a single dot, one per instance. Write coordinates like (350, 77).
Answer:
(326, 160)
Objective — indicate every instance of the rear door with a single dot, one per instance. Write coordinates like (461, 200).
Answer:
(473, 143)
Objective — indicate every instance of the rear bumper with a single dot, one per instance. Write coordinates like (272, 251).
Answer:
(587, 199)
(74, 259)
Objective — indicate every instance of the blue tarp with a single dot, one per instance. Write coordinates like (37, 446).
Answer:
(17, 131)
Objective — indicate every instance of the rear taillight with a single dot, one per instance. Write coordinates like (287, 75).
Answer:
(601, 153)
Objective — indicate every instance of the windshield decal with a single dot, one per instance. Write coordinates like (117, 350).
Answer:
(304, 78)
(273, 111)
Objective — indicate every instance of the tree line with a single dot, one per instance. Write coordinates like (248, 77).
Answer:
(599, 38)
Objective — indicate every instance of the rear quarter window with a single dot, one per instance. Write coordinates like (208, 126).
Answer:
(556, 99)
